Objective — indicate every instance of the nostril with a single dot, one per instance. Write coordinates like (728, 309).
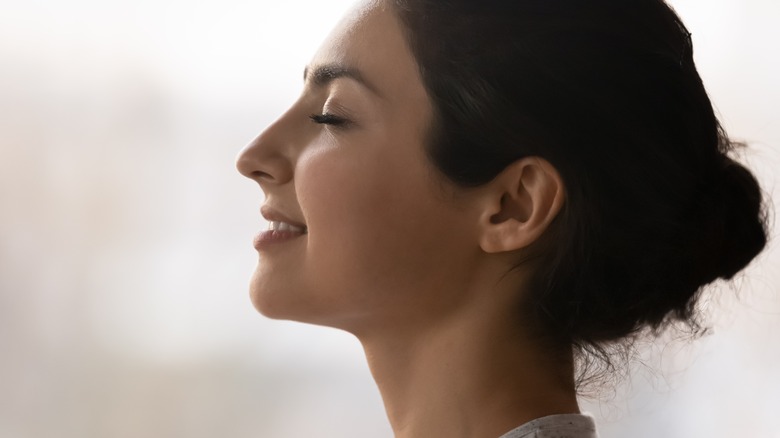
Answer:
(262, 163)
(251, 168)
(257, 174)
(263, 172)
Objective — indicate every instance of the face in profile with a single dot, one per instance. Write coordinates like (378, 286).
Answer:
(383, 243)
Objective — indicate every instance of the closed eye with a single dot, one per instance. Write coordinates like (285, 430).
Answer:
(328, 119)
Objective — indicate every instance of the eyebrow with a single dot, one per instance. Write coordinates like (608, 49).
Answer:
(322, 75)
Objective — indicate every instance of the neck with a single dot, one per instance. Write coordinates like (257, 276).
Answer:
(466, 377)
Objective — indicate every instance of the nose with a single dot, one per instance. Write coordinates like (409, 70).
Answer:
(266, 159)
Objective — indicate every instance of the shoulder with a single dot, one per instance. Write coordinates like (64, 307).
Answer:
(556, 426)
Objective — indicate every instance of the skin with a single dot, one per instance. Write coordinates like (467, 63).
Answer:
(417, 269)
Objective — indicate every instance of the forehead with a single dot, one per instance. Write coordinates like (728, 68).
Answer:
(370, 40)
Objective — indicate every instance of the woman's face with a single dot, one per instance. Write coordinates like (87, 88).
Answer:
(383, 243)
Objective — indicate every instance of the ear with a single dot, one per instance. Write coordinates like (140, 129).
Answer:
(519, 204)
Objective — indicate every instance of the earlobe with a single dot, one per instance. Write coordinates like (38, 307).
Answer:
(520, 203)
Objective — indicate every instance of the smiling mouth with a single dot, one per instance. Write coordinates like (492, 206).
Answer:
(277, 234)
(284, 226)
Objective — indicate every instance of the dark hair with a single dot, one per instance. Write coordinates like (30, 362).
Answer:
(608, 93)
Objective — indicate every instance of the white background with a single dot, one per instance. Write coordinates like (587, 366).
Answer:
(125, 233)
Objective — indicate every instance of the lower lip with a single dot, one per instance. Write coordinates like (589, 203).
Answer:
(267, 239)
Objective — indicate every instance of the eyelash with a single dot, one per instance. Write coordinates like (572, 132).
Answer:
(328, 119)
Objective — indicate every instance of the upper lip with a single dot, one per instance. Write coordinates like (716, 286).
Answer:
(272, 215)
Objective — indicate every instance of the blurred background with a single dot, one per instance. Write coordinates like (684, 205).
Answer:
(125, 233)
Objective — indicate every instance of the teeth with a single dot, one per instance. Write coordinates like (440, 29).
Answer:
(284, 226)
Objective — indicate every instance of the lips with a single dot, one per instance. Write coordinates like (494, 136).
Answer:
(280, 229)
(285, 226)
(277, 219)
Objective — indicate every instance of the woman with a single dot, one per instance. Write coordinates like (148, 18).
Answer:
(491, 194)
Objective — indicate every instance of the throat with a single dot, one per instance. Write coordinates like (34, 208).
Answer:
(466, 381)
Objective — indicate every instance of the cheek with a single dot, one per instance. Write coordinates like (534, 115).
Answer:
(377, 234)
(351, 204)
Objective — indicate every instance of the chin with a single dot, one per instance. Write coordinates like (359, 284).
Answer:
(279, 306)
(269, 303)
(266, 299)
(284, 304)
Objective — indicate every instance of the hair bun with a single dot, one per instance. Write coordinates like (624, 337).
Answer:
(734, 212)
